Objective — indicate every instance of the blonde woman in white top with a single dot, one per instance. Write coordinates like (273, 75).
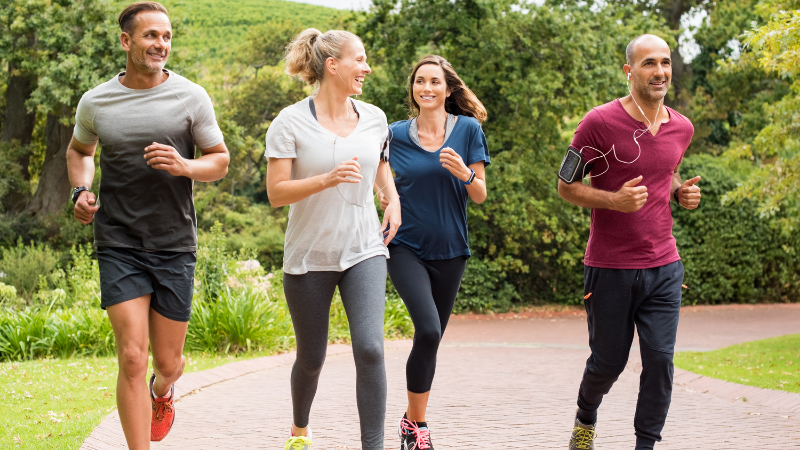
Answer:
(325, 160)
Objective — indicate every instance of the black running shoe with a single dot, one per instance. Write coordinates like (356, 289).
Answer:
(414, 435)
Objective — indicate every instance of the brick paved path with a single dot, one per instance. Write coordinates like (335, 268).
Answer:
(495, 386)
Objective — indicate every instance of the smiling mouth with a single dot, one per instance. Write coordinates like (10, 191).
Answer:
(427, 98)
(661, 83)
(360, 80)
(157, 56)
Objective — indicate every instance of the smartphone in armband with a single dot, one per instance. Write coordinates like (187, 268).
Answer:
(572, 167)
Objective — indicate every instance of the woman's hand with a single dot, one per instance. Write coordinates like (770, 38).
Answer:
(391, 221)
(452, 161)
(345, 172)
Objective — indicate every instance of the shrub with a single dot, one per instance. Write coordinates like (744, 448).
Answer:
(731, 254)
(28, 268)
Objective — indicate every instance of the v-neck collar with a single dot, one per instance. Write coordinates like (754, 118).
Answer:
(644, 127)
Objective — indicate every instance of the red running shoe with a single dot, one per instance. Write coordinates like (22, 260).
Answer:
(163, 412)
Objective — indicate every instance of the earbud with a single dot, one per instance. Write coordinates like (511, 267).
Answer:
(629, 76)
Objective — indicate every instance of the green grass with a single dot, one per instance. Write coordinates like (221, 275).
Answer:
(217, 28)
(770, 363)
(55, 403)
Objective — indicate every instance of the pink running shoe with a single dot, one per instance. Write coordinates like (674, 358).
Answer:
(414, 435)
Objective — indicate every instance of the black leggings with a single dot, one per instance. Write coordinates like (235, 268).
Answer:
(429, 289)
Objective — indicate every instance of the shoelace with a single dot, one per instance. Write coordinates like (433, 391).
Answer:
(297, 442)
(421, 435)
(583, 437)
(162, 408)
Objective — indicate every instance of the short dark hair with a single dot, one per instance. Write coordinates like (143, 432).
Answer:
(127, 16)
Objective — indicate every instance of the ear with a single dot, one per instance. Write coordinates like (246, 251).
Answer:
(627, 69)
(330, 65)
(125, 41)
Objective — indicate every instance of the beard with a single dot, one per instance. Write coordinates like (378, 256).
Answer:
(649, 93)
(143, 65)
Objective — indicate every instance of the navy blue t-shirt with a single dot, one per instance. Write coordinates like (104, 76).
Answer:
(433, 201)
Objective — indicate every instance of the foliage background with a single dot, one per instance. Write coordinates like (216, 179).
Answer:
(538, 69)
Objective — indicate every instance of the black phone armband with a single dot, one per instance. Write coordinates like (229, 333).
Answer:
(572, 167)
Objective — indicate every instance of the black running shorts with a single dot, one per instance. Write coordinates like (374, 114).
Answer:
(127, 273)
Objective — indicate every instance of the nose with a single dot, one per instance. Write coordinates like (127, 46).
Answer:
(367, 69)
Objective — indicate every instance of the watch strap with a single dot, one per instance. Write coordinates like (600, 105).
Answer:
(77, 192)
(471, 177)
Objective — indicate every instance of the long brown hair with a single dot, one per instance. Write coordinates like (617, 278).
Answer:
(462, 101)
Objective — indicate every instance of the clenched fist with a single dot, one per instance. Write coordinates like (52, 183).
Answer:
(630, 198)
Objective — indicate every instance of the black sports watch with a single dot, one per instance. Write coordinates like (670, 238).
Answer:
(676, 196)
(77, 192)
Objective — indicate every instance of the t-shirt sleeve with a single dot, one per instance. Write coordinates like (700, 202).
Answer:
(280, 138)
(205, 129)
(478, 149)
(84, 123)
(588, 139)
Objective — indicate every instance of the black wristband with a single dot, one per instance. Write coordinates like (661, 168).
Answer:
(676, 196)
(77, 192)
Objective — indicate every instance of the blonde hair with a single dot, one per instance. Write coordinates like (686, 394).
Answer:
(308, 51)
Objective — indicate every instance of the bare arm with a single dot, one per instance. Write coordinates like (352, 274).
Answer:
(211, 166)
(282, 190)
(452, 161)
(80, 168)
(390, 201)
(630, 198)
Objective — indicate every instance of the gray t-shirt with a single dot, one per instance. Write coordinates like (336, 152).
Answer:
(335, 229)
(142, 207)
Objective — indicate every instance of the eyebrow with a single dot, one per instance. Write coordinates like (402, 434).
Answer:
(668, 59)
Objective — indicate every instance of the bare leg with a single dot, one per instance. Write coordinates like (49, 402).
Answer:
(417, 405)
(166, 342)
(299, 431)
(130, 323)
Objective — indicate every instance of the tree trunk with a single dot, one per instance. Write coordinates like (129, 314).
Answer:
(18, 126)
(681, 72)
(54, 188)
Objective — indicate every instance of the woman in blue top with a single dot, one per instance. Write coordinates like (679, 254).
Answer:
(438, 157)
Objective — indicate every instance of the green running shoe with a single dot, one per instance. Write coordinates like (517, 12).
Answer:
(582, 436)
(299, 442)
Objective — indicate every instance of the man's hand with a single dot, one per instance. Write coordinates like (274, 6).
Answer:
(630, 198)
(164, 157)
(689, 193)
(85, 207)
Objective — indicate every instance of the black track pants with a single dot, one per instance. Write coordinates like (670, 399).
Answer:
(650, 300)
(429, 289)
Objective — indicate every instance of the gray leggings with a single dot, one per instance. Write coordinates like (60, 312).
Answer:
(363, 291)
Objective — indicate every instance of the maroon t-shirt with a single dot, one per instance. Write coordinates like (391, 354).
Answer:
(643, 239)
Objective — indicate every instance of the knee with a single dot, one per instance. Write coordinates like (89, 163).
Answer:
(428, 338)
(133, 362)
(369, 354)
(605, 371)
(310, 364)
(654, 361)
(168, 367)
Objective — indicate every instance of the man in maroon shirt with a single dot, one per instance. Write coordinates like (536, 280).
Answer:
(633, 274)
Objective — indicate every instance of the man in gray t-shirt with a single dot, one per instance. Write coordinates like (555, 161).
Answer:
(149, 122)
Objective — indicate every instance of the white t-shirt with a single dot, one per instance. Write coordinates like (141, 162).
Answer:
(328, 231)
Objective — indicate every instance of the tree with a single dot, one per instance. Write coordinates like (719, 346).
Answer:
(532, 67)
(776, 182)
(57, 50)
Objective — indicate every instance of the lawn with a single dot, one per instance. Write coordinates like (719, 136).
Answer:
(770, 363)
(55, 403)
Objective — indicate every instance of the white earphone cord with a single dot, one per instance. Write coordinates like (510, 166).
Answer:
(636, 135)
(335, 164)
